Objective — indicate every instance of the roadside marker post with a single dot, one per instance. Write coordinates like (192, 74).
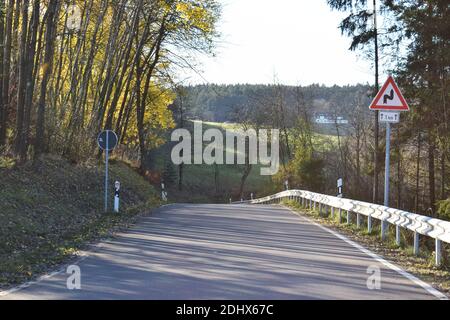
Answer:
(163, 192)
(389, 101)
(340, 185)
(107, 140)
(116, 196)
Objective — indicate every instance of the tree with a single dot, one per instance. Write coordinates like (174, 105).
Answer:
(357, 25)
(424, 72)
(51, 15)
(71, 68)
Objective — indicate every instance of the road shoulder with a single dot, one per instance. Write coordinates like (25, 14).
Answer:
(418, 267)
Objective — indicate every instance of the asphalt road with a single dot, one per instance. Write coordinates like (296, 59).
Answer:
(226, 252)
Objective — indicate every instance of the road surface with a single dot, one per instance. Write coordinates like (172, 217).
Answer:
(186, 251)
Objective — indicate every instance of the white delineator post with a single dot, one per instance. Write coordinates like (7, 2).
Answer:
(116, 196)
(163, 193)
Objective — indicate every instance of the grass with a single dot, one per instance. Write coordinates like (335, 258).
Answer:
(51, 208)
(199, 185)
(421, 265)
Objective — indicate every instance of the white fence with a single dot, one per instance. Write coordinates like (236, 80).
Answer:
(420, 225)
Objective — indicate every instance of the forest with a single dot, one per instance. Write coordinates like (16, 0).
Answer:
(412, 38)
(72, 68)
(219, 103)
(413, 41)
(69, 69)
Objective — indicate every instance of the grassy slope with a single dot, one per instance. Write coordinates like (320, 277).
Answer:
(51, 208)
(199, 184)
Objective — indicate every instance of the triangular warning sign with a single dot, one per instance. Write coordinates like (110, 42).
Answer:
(389, 98)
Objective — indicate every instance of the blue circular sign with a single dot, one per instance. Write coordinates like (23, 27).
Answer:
(107, 140)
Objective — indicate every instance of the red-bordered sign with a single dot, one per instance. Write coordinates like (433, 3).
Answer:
(389, 98)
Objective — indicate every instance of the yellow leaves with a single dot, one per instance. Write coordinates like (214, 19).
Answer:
(157, 118)
(195, 15)
(44, 68)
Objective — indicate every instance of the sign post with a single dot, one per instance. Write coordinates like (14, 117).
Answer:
(340, 185)
(389, 101)
(107, 141)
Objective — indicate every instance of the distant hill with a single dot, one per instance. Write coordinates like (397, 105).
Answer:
(219, 103)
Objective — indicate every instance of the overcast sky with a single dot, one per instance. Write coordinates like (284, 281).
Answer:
(296, 40)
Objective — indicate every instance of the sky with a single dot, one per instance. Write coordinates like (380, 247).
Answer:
(296, 42)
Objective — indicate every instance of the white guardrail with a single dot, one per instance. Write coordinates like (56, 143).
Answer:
(420, 225)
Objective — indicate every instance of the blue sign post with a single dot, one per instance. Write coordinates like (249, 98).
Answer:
(107, 141)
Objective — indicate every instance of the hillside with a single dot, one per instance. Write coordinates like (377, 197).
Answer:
(51, 208)
(217, 184)
(207, 183)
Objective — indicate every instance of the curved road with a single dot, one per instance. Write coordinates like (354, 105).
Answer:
(227, 252)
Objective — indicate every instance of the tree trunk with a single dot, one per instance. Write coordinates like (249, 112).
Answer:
(6, 72)
(376, 166)
(431, 172)
(30, 80)
(22, 77)
(419, 145)
(2, 69)
(52, 12)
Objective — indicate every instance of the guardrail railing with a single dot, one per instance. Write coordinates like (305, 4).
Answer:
(420, 225)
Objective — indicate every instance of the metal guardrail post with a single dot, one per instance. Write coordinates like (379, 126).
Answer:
(416, 243)
(369, 224)
(438, 252)
(383, 230)
(332, 212)
(358, 220)
(314, 206)
(320, 209)
(340, 215)
(348, 217)
(398, 235)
